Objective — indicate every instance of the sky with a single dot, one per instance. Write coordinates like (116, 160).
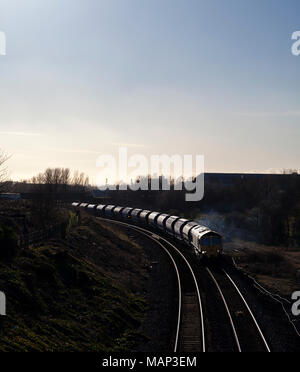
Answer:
(83, 77)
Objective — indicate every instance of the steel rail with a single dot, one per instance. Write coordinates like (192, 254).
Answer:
(154, 238)
(250, 312)
(157, 237)
(227, 310)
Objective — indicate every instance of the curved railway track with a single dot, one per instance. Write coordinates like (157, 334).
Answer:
(236, 323)
(246, 332)
(190, 331)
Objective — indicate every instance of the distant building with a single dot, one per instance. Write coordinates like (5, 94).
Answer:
(10, 196)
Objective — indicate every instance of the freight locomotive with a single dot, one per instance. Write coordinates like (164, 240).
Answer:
(204, 241)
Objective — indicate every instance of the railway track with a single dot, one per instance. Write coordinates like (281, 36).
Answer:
(230, 324)
(247, 335)
(190, 332)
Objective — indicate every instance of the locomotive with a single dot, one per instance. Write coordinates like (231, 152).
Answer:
(204, 241)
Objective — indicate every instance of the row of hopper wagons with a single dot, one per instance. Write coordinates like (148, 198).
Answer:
(204, 241)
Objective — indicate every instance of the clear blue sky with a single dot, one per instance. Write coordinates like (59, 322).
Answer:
(208, 77)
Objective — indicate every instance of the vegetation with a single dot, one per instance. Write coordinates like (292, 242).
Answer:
(61, 298)
(3, 171)
(8, 242)
(262, 208)
(59, 180)
(274, 268)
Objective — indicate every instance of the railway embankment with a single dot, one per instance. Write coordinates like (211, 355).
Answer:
(87, 291)
(276, 268)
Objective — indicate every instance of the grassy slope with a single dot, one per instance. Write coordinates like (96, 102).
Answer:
(274, 267)
(74, 294)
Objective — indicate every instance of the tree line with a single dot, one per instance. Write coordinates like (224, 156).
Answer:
(54, 180)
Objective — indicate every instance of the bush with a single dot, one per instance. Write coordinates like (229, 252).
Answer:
(265, 257)
(8, 242)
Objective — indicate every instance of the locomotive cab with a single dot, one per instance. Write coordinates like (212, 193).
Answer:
(210, 245)
(206, 242)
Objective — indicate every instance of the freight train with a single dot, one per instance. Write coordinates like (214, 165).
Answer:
(204, 241)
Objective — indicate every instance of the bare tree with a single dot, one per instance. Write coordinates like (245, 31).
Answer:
(80, 181)
(59, 179)
(65, 178)
(3, 171)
